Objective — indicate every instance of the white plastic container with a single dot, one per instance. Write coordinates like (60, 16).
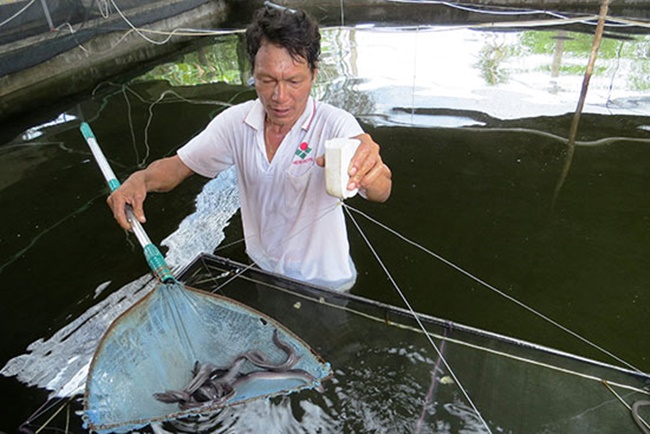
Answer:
(338, 155)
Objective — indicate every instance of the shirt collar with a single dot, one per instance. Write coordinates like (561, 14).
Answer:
(256, 116)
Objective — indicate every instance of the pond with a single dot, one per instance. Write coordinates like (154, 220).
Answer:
(474, 125)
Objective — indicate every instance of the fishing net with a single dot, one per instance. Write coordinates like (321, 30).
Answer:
(154, 349)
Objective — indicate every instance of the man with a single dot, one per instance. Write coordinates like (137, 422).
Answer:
(291, 226)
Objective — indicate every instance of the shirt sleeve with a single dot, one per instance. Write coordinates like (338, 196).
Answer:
(211, 151)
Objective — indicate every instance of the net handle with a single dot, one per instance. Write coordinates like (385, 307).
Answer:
(154, 258)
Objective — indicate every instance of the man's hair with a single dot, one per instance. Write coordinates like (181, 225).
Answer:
(294, 30)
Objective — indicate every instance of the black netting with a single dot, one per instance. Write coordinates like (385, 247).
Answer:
(62, 25)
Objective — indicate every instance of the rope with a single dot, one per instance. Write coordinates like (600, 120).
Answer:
(498, 291)
(383, 320)
(432, 387)
(643, 425)
(496, 11)
(560, 18)
(233, 277)
(17, 13)
(634, 408)
(176, 32)
(44, 408)
(417, 319)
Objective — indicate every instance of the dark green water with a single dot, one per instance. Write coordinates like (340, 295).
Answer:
(473, 182)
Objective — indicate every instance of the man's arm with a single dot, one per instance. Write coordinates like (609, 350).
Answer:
(161, 175)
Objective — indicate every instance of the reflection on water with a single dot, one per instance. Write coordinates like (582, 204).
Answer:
(61, 363)
(473, 125)
(368, 399)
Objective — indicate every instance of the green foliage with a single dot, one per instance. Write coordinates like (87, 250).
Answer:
(576, 44)
(571, 50)
(217, 62)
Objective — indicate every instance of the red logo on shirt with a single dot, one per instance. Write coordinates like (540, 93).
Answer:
(306, 160)
(303, 150)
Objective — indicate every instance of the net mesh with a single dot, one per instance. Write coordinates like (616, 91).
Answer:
(153, 347)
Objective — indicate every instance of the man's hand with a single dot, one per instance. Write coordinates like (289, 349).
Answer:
(132, 192)
(161, 175)
(368, 172)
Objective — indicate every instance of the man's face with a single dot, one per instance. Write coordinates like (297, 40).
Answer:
(282, 84)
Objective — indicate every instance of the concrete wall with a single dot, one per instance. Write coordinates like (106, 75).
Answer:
(107, 55)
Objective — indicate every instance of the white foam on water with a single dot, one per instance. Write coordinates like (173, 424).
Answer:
(203, 231)
(60, 363)
(261, 416)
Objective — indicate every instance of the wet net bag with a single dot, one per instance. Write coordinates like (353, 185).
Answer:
(154, 349)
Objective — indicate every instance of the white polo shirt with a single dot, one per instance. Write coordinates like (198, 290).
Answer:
(291, 225)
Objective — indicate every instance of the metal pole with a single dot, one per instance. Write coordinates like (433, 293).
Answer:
(47, 15)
